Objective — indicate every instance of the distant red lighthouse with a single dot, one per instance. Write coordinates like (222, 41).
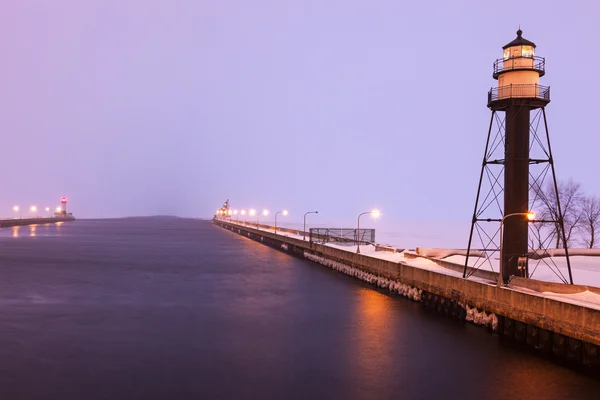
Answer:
(63, 206)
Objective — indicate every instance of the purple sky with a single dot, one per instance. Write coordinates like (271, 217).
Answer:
(145, 107)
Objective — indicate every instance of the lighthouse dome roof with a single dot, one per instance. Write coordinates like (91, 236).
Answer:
(519, 41)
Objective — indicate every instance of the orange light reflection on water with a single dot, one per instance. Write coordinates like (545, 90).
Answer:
(374, 337)
(33, 229)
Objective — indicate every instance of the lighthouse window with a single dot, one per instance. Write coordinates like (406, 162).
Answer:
(507, 53)
(527, 51)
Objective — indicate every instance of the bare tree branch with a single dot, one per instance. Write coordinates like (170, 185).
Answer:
(571, 200)
(590, 221)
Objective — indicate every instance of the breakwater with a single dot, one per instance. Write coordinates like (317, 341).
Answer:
(7, 223)
(564, 329)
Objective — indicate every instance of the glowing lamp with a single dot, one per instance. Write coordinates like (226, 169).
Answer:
(531, 215)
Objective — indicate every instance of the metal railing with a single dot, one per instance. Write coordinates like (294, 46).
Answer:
(533, 91)
(346, 237)
(520, 63)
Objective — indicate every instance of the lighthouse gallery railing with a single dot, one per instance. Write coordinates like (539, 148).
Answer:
(520, 63)
(519, 91)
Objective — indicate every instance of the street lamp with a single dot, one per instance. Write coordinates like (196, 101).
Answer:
(34, 210)
(530, 217)
(243, 212)
(284, 213)
(235, 212)
(375, 214)
(17, 209)
(48, 211)
(265, 212)
(310, 212)
(254, 212)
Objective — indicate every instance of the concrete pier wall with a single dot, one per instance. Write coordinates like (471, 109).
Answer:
(7, 223)
(559, 327)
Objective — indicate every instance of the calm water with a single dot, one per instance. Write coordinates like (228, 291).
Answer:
(180, 309)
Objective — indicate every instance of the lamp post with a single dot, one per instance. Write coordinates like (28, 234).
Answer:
(530, 216)
(243, 212)
(282, 212)
(375, 215)
(34, 210)
(265, 213)
(17, 209)
(310, 212)
(235, 212)
(48, 211)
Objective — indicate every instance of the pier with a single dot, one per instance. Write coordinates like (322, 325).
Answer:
(61, 215)
(559, 324)
(10, 222)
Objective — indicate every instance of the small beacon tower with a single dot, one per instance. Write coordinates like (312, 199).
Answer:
(518, 105)
(63, 206)
(224, 212)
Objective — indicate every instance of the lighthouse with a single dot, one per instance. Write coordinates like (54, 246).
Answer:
(63, 206)
(518, 103)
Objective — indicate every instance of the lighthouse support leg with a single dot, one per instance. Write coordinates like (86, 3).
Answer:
(561, 220)
(483, 164)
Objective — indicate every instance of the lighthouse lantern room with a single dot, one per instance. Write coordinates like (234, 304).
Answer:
(518, 72)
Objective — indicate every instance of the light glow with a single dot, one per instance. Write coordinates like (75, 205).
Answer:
(16, 208)
(531, 215)
(285, 212)
(376, 213)
(252, 212)
(265, 212)
(243, 212)
(527, 51)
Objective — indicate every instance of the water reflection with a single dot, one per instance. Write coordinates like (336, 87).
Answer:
(47, 229)
(374, 338)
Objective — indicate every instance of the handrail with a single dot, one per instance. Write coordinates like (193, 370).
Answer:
(500, 65)
(533, 91)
